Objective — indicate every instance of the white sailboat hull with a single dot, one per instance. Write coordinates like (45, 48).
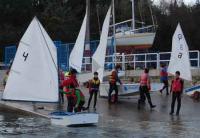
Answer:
(138, 39)
(190, 91)
(128, 89)
(73, 119)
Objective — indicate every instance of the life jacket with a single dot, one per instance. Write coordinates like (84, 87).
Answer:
(144, 79)
(70, 82)
(69, 92)
(177, 85)
(163, 72)
(69, 85)
(113, 77)
(94, 84)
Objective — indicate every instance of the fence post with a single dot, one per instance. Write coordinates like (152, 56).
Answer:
(123, 61)
(158, 61)
(145, 60)
(134, 61)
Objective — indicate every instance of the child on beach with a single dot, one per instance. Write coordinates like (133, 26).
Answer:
(93, 90)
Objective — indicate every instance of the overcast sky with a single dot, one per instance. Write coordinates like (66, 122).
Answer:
(186, 1)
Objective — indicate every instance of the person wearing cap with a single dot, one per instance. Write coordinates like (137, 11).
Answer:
(93, 89)
(113, 79)
(176, 90)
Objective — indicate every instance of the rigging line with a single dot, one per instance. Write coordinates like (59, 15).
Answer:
(47, 45)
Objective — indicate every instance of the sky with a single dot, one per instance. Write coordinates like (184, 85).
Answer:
(186, 1)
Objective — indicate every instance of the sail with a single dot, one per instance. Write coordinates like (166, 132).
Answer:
(33, 75)
(98, 59)
(179, 60)
(76, 56)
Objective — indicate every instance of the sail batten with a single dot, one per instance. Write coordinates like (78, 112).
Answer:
(33, 75)
(179, 60)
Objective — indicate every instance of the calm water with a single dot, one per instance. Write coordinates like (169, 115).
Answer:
(117, 121)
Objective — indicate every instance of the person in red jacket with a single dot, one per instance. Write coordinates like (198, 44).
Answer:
(176, 90)
(69, 86)
(145, 87)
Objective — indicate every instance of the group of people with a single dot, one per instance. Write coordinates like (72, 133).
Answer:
(176, 88)
(69, 86)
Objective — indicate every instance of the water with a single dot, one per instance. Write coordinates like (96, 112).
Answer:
(116, 121)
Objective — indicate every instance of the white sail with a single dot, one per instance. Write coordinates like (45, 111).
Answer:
(98, 59)
(179, 60)
(76, 56)
(33, 75)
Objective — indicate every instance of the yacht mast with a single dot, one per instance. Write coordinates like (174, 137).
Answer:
(133, 15)
(87, 38)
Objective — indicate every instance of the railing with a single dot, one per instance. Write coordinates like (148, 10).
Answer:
(125, 27)
(145, 60)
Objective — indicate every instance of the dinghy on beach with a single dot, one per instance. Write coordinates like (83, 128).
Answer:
(34, 76)
(75, 62)
(73, 119)
(128, 89)
(191, 90)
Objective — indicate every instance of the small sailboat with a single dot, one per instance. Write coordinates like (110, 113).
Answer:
(34, 75)
(73, 119)
(75, 62)
(180, 61)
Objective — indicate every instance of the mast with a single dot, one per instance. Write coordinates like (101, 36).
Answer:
(114, 37)
(88, 21)
(133, 15)
(87, 38)
(152, 18)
